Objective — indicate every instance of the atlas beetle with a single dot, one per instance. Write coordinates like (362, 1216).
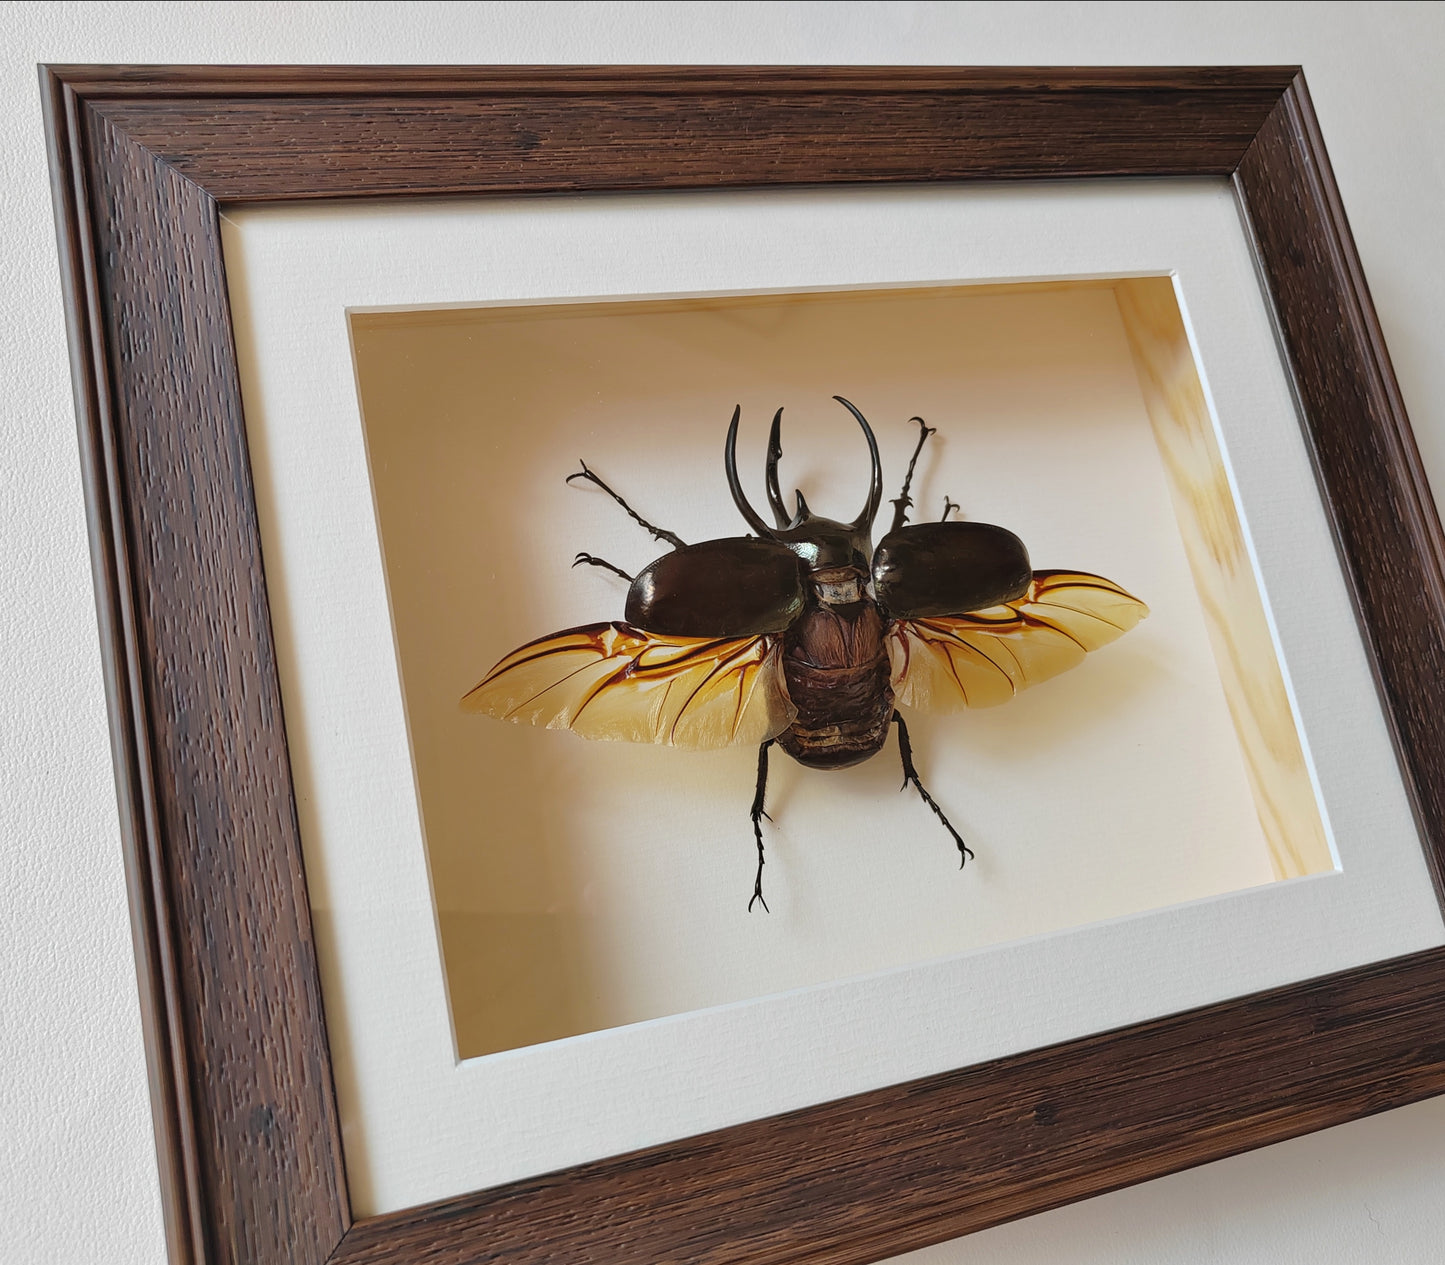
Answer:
(806, 636)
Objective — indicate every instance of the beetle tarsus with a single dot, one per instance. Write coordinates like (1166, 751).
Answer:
(903, 502)
(910, 774)
(758, 813)
(675, 541)
(598, 562)
(949, 505)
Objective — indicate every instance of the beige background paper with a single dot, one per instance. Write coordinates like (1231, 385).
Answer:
(587, 885)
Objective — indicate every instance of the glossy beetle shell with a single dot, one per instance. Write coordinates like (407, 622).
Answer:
(947, 568)
(736, 587)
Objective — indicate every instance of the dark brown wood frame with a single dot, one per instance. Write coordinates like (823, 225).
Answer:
(245, 1112)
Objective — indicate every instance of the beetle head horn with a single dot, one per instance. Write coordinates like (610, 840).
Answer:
(730, 464)
(864, 521)
(775, 450)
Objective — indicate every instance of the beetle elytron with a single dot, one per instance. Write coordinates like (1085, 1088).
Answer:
(806, 636)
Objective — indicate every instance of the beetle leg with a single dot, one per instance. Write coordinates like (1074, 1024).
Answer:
(598, 562)
(903, 501)
(758, 813)
(949, 505)
(910, 774)
(637, 518)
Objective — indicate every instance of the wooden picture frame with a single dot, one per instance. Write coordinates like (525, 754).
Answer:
(246, 1122)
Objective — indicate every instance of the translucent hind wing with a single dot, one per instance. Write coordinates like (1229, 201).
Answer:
(615, 682)
(984, 658)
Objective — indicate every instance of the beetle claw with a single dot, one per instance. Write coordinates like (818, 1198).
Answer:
(757, 813)
(598, 562)
(910, 775)
(902, 503)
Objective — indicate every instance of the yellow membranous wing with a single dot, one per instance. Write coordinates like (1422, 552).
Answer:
(616, 682)
(986, 657)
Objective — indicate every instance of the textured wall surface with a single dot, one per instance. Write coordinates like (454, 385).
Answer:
(77, 1173)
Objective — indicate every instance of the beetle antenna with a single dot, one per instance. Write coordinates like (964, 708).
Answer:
(730, 464)
(864, 521)
(903, 501)
(775, 450)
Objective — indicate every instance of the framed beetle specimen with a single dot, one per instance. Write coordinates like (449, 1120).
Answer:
(619, 868)
(786, 636)
(227, 891)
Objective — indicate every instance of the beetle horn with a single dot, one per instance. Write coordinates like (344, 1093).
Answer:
(864, 521)
(730, 464)
(775, 450)
(803, 511)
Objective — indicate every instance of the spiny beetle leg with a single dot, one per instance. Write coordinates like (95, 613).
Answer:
(758, 813)
(598, 562)
(904, 501)
(584, 473)
(949, 505)
(910, 774)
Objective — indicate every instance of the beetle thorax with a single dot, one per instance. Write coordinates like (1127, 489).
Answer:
(827, 546)
(838, 586)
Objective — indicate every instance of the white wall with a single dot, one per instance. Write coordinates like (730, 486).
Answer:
(77, 1173)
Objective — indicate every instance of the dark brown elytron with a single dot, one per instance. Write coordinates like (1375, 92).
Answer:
(805, 635)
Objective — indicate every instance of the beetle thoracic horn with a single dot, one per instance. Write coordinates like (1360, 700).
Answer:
(864, 521)
(775, 450)
(730, 464)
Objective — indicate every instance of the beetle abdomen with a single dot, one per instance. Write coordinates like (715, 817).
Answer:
(930, 569)
(836, 671)
(843, 714)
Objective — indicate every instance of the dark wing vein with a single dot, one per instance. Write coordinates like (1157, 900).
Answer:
(689, 692)
(1037, 644)
(721, 665)
(546, 689)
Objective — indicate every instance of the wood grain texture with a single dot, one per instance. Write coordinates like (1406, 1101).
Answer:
(903, 1167)
(216, 831)
(171, 1107)
(246, 1120)
(534, 130)
(1374, 486)
(112, 82)
(1229, 593)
